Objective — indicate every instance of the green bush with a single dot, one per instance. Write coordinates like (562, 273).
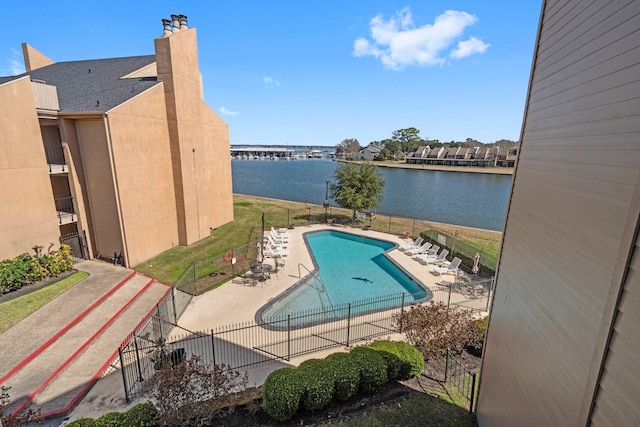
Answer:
(26, 269)
(140, 415)
(373, 369)
(319, 382)
(282, 392)
(404, 361)
(83, 422)
(347, 375)
(412, 360)
(112, 419)
(388, 350)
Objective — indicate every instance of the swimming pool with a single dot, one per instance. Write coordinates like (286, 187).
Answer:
(347, 268)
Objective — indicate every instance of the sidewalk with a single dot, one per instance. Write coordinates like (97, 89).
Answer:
(51, 356)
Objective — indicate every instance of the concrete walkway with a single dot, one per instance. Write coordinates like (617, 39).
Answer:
(52, 357)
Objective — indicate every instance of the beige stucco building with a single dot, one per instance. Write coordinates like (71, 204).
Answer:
(563, 347)
(118, 155)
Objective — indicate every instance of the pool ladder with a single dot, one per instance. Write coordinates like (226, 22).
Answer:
(322, 290)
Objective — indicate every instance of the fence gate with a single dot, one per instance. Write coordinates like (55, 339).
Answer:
(78, 243)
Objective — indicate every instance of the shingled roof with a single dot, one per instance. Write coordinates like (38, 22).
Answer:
(94, 85)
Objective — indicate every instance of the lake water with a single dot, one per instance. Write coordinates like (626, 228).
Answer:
(469, 199)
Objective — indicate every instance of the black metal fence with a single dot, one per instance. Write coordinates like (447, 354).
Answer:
(315, 214)
(159, 340)
(140, 351)
(457, 375)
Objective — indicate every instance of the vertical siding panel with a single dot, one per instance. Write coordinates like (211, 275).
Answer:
(569, 230)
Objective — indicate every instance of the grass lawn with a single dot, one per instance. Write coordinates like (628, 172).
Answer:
(13, 311)
(246, 228)
(417, 411)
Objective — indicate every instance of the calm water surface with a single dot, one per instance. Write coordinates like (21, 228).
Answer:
(469, 199)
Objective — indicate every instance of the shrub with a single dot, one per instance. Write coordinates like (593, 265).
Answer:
(192, 393)
(319, 382)
(111, 419)
(83, 422)
(412, 360)
(140, 415)
(476, 338)
(387, 350)
(347, 375)
(373, 369)
(404, 361)
(433, 329)
(282, 392)
(26, 269)
(26, 416)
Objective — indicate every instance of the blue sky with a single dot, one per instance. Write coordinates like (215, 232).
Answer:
(316, 72)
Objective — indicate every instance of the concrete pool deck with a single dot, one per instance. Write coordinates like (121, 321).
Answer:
(236, 303)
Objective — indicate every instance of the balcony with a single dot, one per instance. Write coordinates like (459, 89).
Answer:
(55, 159)
(65, 211)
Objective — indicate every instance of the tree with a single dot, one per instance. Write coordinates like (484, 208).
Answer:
(348, 147)
(357, 187)
(391, 150)
(408, 138)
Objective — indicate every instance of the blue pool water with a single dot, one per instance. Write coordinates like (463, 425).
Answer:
(347, 268)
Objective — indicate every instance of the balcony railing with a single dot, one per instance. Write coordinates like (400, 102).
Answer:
(55, 158)
(65, 210)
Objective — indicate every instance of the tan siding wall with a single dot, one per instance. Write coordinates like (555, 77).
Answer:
(76, 177)
(106, 233)
(27, 213)
(199, 141)
(573, 195)
(616, 402)
(142, 158)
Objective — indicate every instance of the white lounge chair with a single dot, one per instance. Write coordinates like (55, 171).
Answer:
(419, 250)
(281, 239)
(433, 259)
(274, 251)
(415, 244)
(281, 232)
(278, 243)
(452, 268)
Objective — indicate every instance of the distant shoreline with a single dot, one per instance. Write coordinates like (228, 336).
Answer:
(467, 169)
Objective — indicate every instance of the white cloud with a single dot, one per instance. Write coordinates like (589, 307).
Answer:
(469, 47)
(270, 81)
(14, 64)
(228, 112)
(398, 42)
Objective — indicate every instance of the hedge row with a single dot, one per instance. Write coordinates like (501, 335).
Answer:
(316, 382)
(141, 415)
(26, 269)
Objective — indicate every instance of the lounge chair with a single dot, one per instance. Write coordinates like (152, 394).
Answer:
(415, 244)
(451, 268)
(278, 243)
(281, 232)
(432, 259)
(274, 251)
(280, 239)
(419, 250)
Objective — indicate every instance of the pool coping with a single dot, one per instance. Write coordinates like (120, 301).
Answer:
(299, 283)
